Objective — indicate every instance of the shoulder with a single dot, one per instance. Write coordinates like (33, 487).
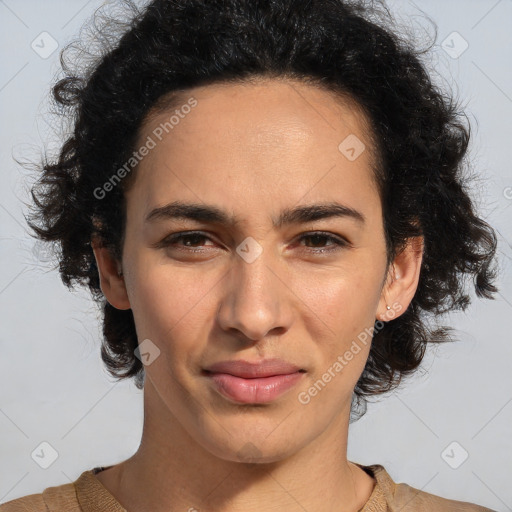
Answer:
(391, 496)
(30, 503)
(408, 498)
(57, 498)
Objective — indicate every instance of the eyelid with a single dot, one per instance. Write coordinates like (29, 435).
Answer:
(339, 241)
(327, 234)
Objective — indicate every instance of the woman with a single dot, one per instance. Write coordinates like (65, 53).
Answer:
(266, 199)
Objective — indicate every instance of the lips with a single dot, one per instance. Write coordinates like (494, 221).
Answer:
(249, 370)
(253, 383)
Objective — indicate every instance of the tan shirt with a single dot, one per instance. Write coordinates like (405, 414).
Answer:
(87, 494)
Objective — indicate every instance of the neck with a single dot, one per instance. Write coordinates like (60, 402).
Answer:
(172, 472)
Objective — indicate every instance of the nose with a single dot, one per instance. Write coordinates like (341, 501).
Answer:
(257, 301)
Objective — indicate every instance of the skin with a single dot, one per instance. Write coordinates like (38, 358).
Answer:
(253, 150)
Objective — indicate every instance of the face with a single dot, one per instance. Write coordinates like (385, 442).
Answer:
(204, 289)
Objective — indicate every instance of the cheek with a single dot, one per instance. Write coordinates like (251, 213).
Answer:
(155, 298)
(170, 304)
(347, 304)
(348, 298)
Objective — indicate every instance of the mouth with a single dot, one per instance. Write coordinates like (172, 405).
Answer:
(253, 390)
(253, 382)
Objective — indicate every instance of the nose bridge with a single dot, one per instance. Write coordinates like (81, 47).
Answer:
(254, 279)
(255, 297)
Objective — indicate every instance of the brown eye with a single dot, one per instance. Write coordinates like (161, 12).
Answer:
(320, 238)
(190, 240)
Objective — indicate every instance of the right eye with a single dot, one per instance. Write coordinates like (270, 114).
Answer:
(190, 237)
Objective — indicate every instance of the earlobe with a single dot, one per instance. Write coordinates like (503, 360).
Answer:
(111, 276)
(402, 280)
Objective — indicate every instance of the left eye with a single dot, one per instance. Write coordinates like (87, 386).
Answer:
(337, 243)
(192, 239)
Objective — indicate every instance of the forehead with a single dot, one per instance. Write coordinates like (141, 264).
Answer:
(240, 142)
(267, 107)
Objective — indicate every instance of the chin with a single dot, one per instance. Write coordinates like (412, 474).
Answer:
(251, 448)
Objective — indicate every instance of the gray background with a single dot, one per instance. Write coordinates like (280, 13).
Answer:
(53, 385)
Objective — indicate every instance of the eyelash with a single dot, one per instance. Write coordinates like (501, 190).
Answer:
(339, 243)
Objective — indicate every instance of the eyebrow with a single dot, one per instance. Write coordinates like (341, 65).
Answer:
(212, 214)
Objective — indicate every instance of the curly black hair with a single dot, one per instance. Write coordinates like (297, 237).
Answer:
(420, 136)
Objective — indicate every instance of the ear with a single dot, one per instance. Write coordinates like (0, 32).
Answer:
(111, 277)
(402, 280)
